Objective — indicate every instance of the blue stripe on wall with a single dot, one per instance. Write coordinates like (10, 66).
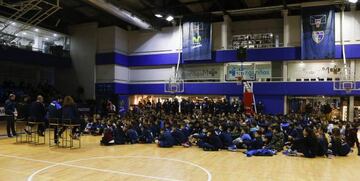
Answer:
(271, 94)
(222, 56)
(153, 60)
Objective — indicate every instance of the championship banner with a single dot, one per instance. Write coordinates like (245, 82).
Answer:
(196, 41)
(318, 33)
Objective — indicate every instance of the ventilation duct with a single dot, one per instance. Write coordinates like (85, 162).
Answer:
(121, 13)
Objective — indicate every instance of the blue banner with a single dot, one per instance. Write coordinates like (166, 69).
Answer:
(196, 41)
(318, 33)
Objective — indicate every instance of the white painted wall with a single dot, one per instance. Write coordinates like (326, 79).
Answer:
(151, 74)
(106, 41)
(105, 73)
(122, 74)
(165, 41)
(83, 50)
(121, 40)
(294, 30)
(216, 36)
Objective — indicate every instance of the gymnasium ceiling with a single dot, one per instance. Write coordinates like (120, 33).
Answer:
(81, 11)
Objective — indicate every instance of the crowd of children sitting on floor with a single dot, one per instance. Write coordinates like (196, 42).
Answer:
(228, 129)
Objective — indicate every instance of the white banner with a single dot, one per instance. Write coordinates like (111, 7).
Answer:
(248, 72)
(314, 70)
(201, 72)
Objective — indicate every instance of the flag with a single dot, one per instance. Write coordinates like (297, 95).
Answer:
(318, 33)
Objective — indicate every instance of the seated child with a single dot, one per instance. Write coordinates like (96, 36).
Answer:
(226, 138)
(132, 135)
(180, 138)
(166, 140)
(212, 142)
(338, 145)
(256, 142)
(277, 140)
(146, 135)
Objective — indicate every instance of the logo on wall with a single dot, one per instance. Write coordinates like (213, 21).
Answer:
(318, 33)
(334, 70)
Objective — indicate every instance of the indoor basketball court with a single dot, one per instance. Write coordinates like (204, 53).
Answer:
(178, 90)
(147, 162)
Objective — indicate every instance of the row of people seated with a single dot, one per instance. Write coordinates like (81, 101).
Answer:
(38, 111)
(258, 134)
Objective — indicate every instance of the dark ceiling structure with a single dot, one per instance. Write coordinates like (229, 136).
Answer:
(82, 11)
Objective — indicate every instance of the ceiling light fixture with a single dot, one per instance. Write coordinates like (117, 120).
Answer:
(13, 23)
(24, 33)
(37, 30)
(46, 38)
(169, 18)
(55, 35)
(158, 15)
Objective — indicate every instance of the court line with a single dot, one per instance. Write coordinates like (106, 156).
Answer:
(54, 164)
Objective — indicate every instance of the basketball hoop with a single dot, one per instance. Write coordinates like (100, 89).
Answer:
(174, 86)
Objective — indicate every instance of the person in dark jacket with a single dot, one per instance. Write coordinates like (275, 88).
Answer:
(70, 112)
(179, 136)
(23, 109)
(338, 145)
(351, 136)
(310, 143)
(212, 142)
(256, 142)
(226, 138)
(323, 142)
(10, 109)
(145, 135)
(37, 113)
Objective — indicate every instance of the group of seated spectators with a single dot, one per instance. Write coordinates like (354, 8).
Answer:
(59, 109)
(230, 129)
(210, 125)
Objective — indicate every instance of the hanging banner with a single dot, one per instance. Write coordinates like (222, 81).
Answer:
(318, 33)
(196, 41)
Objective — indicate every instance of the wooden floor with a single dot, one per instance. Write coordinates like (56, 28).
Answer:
(147, 162)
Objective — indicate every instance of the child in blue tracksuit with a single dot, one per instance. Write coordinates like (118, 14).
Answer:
(146, 135)
(132, 135)
(226, 138)
(180, 138)
(244, 140)
(212, 142)
(256, 142)
(166, 140)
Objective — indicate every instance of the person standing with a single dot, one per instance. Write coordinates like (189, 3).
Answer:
(10, 109)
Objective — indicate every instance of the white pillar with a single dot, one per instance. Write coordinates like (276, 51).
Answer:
(286, 38)
(285, 105)
(352, 69)
(285, 71)
(351, 109)
(225, 32)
